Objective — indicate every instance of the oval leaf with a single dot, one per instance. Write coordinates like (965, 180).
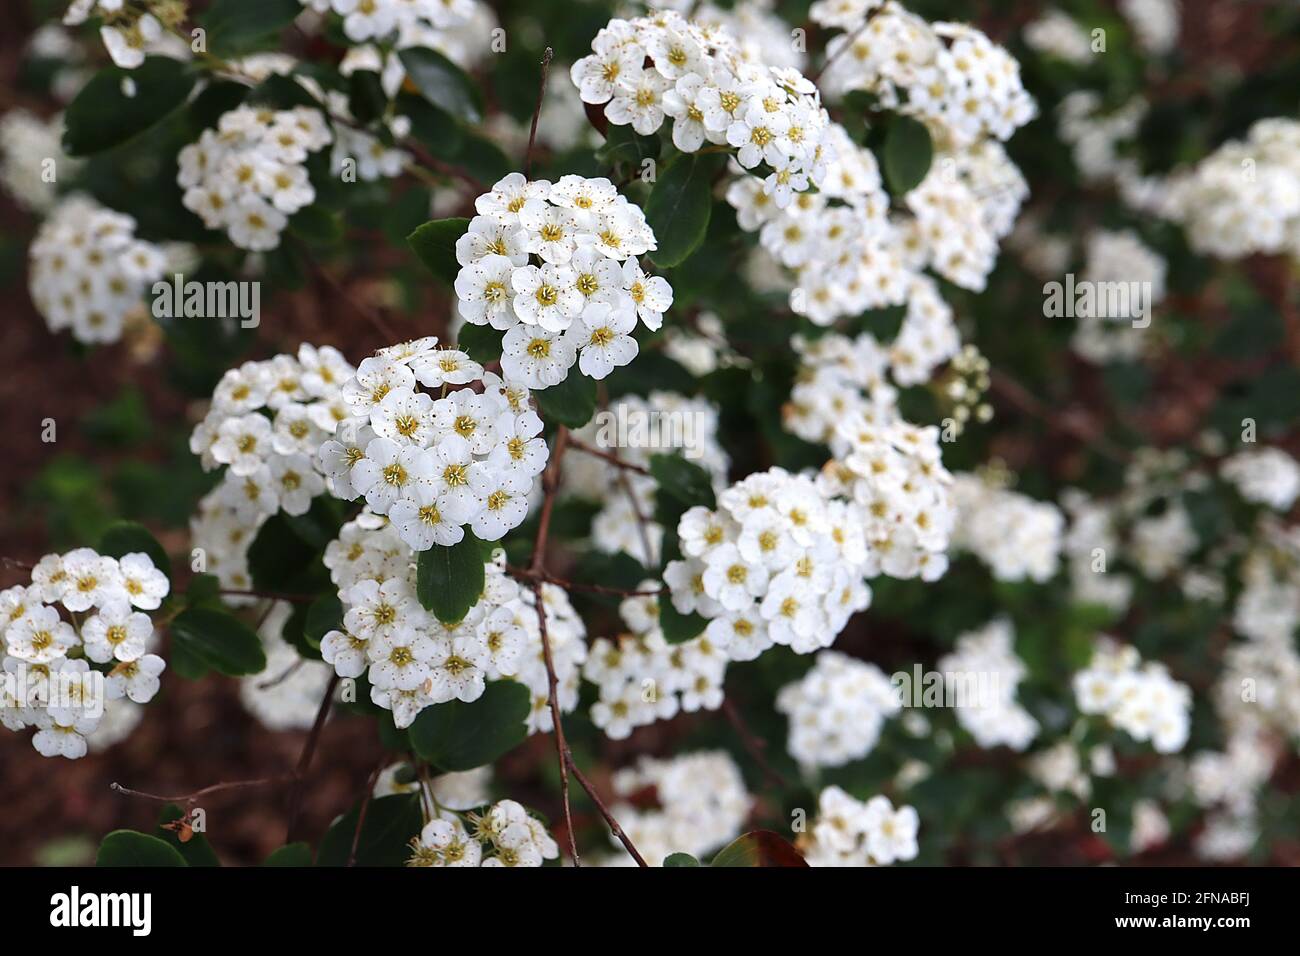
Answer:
(908, 152)
(572, 402)
(442, 83)
(240, 26)
(219, 641)
(103, 115)
(435, 244)
(129, 537)
(679, 205)
(458, 736)
(386, 833)
(132, 848)
(449, 579)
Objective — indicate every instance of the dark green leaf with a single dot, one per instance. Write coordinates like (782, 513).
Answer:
(458, 736)
(680, 859)
(240, 26)
(219, 641)
(132, 848)
(102, 115)
(571, 403)
(294, 854)
(435, 244)
(324, 614)
(386, 832)
(678, 627)
(907, 154)
(442, 83)
(684, 481)
(449, 579)
(128, 537)
(679, 205)
(481, 341)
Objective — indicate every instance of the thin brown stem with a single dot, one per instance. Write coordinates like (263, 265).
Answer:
(189, 799)
(752, 743)
(608, 456)
(309, 751)
(541, 95)
(365, 805)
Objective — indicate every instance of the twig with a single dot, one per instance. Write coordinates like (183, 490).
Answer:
(752, 743)
(541, 95)
(1027, 402)
(608, 456)
(365, 805)
(561, 745)
(525, 574)
(847, 43)
(308, 751)
(189, 799)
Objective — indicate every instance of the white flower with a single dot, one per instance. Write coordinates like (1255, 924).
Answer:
(536, 356)
(389, 472)
(638, 101)
(40, 637)
(136, 680)
(603, 338)
(116, 633)
(145, 585)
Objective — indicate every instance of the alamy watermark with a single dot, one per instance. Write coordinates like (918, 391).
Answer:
(208, 300)
(629, 427)
(1088, 299)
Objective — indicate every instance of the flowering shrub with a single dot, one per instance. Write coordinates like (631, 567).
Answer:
(771, 433)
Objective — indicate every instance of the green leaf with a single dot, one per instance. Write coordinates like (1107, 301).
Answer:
(759, 848)
(219, 641)
(435, 244)
(128, 537)
(623, 144)
(387, 830)
(680, 859)
(907, 154)
(103, 116)
(241, 26)
(294, 854)
(679, 205)
(132, 848)
(324, 614)
(442, 83)
(458, 736)
(571, 403)
(482, 342)
(683, 481)
(449, 579)
(678, 627)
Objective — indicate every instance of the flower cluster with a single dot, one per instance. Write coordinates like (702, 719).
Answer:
(265, 424)
(31, 154)
(837, 710)
(948, 74)
(89, 271)
(778, 561)
(1058, 34)
(642, 678)
(700, 804)
(1016, 536)
(130, 32)
(1119, 257)
(988, 654)
(505, 835)
(1244, 197)
(653, 68)
(635, 428)
(554, 266)
(1267, 476)
(1140, 699)
(439, 26)
(249, 175)
(79, 609)
(901, 494)
(435, 466)
(413, 660)
(849, 832)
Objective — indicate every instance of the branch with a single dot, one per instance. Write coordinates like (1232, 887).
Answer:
(189, 799)
(524, 574)
(365, 805)
(752, 743)
(308, 751)
(608, 456)
(541, 94)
